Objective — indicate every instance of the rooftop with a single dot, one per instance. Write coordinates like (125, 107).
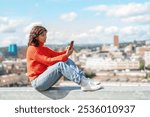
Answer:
(111, 91)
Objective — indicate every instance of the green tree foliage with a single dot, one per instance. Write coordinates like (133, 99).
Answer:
(89, 73)
(142, 64)
(148, 67)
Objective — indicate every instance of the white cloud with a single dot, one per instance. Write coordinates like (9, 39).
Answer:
(97, 29)
(101, 30)
(82, 35)
(138, 31)
(123, 10)
(128, 13)
(131, 12)
(57, 37)
(28, 28)
(14, 27)
(83, 38)
(93, 35)
(9, 40)
(8, 25)
(102, 34)
(130, 30)
(130, 9)
(137, 19)
(112, 30)
(97, 34)
(98, 8)
(68, 16)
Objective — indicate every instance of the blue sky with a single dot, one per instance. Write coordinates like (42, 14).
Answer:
(85, 21)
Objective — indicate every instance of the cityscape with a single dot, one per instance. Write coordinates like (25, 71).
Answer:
(111, 46)
(115, 62)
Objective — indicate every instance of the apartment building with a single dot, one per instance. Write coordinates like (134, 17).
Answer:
(99, 64)
(147, 58)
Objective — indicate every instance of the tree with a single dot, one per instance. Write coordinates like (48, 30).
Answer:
(89, 73)
(142, 64)
(148, 67)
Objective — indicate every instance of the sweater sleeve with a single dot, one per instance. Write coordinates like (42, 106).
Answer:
(54, 53)
(41, 58)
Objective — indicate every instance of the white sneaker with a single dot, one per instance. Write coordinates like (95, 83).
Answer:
(91, 87)
(94, 82)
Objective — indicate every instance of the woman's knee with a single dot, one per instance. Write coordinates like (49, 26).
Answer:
(61, 63)
(55, 66)
(41, 87)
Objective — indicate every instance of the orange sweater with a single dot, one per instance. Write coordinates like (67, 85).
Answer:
(39, 58)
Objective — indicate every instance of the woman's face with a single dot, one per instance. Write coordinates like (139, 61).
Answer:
(42, 37)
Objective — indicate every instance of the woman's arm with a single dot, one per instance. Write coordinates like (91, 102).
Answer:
(54, 53)
(49, 60)
(36, 55)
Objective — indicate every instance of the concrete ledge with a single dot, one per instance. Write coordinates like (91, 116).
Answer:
(74, 93)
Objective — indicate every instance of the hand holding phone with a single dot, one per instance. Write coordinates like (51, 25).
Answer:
(71, 45)
(70, 49)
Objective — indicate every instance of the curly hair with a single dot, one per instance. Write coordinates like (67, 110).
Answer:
(35, 32)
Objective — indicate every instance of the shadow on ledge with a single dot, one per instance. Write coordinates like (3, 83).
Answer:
(74, 93)
(58, 92)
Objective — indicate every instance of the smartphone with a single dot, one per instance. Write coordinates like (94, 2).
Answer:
(71, 45)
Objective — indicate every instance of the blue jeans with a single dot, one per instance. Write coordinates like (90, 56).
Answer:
(53, 73)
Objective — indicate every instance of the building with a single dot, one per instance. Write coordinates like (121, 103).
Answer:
(1, 57)
(12, 50)
(141, 50)
(128, 48)
(116, 40)
(147, 58)
(98, 64)
(116, 54)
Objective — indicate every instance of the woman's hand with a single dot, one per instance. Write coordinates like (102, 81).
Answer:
(69, 51)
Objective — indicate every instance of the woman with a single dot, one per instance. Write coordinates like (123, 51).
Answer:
(45, 66)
